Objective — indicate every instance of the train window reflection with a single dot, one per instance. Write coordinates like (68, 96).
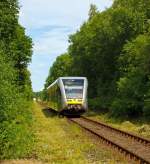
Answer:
(73, 82)
(74, 93)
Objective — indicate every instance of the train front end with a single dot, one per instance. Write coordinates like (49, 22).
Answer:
(75, 91)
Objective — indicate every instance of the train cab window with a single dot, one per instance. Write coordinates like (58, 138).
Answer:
(73, 88)
(74, 93)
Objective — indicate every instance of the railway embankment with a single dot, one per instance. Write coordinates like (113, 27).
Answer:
(59, 141)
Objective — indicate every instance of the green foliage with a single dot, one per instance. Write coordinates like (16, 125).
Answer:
(15, 94)
(146, 109)
(98, 104)
(133, 84)
(8, 20)
(61, 67)
(41, 95)
(15, 139)
(97, 46)
(93, 11)
(89, 48)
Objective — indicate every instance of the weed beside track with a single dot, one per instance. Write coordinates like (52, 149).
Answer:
(58, 141)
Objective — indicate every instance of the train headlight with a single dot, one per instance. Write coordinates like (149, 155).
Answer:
(79, 106)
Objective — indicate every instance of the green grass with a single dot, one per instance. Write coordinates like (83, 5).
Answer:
(59, 141)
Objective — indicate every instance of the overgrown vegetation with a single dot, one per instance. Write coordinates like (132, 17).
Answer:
(15, 85)
(59, 141)
(112, 50)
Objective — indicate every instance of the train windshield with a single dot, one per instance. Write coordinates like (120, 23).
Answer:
(73, 88)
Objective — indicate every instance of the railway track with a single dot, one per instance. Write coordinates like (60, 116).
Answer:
(132, 146)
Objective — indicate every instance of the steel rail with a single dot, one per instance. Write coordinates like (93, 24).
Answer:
(128, 134)
(122, 149)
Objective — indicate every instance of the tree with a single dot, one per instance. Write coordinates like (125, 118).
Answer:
(93, 11)
(98, 44)
(20, 53)
(61, 67)
(133, 85)
(15, 93)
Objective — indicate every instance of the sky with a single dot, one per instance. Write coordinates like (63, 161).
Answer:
(49, 23)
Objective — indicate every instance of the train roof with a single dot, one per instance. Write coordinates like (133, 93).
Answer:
(72, 77)
(68, 77)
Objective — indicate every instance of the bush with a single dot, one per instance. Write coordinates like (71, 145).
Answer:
(97, 104)
(146, 109)
(15, 119)
(125, 108)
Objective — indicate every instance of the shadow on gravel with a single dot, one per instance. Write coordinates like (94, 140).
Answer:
(48, 112)
(73, 116)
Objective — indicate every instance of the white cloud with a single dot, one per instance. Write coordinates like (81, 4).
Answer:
(52, 42)
(49, 22)
(37, 13)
